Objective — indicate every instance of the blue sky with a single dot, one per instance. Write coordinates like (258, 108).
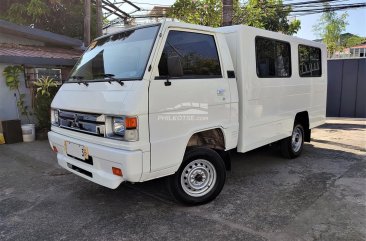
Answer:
(356, 18)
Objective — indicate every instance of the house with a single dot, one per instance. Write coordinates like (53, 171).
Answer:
(358, 50)
(41, 53)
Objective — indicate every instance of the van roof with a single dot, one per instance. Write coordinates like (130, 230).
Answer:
(224, 30)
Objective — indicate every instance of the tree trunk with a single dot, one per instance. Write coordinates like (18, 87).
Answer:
(87, 22)
(227, 12)
(99, 18)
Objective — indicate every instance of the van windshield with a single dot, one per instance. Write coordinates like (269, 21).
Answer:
(122, 56)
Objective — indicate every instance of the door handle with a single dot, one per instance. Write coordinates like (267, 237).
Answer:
(220, 92)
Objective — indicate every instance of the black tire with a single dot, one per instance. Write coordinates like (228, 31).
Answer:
(287, 148)
(202, 160)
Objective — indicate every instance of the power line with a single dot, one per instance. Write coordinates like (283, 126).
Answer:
(294, 7)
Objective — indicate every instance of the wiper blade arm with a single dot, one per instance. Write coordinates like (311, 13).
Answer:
(110, 78)
(78, 79)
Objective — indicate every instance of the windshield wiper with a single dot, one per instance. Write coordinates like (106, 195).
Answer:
(110, 78)
(78, 79)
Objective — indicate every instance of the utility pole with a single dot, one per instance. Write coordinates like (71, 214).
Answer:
(227, 12)
(87, 22)
(99, 18)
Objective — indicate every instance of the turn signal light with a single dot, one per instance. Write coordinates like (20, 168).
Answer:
(131, 122)
(117, 171)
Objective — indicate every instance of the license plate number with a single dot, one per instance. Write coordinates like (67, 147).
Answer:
(76, 150)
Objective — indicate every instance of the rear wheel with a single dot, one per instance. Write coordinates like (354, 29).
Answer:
(200, 178)
(292, 146)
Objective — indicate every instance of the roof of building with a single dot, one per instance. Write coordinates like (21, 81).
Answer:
(38, 34)
(20, 54)
(360, 46)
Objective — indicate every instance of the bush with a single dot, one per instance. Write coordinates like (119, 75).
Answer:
(46, 90)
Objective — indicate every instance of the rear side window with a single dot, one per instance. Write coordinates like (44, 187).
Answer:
(189, 55)
(273, 58)
(309, 61)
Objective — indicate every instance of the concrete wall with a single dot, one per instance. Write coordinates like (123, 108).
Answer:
(346, 95)
(8, 108)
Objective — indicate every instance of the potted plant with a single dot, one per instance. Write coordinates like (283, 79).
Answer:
(12, 81)
(46, 90)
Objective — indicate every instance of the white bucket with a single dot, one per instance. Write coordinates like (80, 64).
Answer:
(29, 132)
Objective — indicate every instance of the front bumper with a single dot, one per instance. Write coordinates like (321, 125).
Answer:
(103, 159)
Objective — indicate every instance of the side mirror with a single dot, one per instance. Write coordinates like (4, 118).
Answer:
(175, 68)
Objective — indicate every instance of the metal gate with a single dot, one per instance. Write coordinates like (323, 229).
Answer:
(346, 95)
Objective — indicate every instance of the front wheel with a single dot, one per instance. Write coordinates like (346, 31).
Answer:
(292, 146)
(200, 178)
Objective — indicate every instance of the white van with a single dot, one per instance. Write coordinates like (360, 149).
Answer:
(172, 99)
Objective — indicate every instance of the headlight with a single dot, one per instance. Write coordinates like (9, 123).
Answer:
(54, 117)
(123, 128)
(118, 126)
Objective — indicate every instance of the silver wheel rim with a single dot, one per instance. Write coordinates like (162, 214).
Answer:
(198, 178)
(296, 139)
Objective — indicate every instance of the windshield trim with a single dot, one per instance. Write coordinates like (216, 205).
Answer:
(109, 35)
(128, 29)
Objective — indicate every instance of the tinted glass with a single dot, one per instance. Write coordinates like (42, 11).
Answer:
(309, 61)
(123, 55)
(190, 55)
(273, 58)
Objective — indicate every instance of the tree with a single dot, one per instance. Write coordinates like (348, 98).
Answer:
(353, 41)
(266, 14)
(58, 16)
(270, 15)
(203, 12)
(329, 28)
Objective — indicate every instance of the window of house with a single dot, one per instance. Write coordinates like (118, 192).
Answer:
(273, 58)
(309, 61)
(32, 74)
(188, 55)
(54, 74)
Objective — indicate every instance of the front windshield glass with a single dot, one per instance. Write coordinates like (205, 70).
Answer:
(122, 56)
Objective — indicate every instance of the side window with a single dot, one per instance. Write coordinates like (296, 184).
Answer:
(188, 54)
(309, 61)
(273, 58)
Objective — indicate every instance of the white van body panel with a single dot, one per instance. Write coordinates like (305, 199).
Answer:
(249, 111)
(268, 106)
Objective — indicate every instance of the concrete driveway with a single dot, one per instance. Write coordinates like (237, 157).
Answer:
(319, 196)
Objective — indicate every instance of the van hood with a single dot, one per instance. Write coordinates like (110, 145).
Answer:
(104, 98)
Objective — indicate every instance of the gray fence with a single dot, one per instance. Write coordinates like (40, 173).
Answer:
(346, 95)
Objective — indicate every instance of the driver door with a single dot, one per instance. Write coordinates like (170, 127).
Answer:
(187, 95)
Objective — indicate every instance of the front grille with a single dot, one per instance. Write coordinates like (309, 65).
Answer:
(87, 123)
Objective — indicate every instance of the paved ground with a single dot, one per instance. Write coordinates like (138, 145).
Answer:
(320, 196)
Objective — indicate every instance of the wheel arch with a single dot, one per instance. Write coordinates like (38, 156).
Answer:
(213, 138)
(303, 119)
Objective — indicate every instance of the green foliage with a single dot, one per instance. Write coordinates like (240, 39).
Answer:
(203, 12)
(46, 90)
(58, 16)
(267, 14)
(353, 41)
(329, 28)
(44, 84)
(42, 107)
(12, 74)
(270, 15)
